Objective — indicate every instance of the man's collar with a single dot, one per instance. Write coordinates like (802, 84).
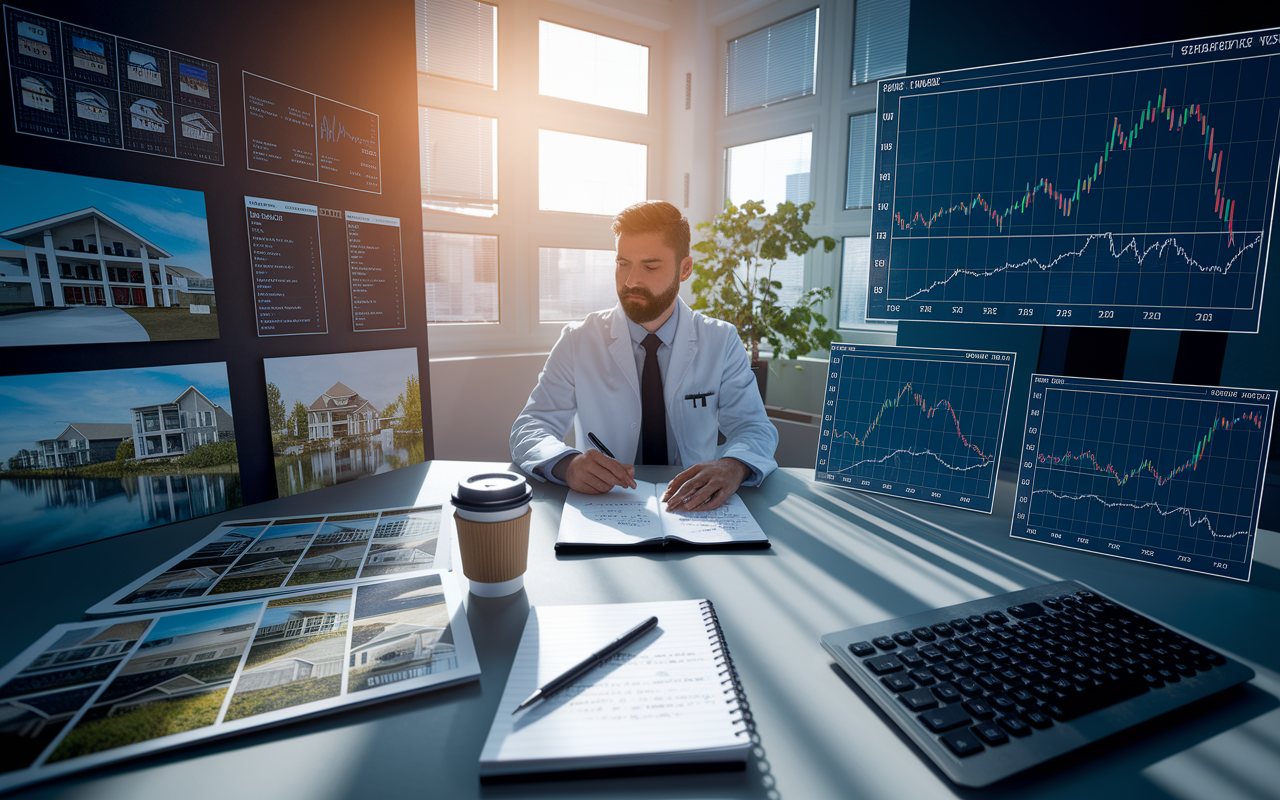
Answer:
(667, 331)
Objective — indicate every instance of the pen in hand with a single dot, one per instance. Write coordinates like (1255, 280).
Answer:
(589, 663)
(600, 445)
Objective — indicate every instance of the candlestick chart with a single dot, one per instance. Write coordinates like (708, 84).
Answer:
(921, 423)
(1165, 474)
(1068, 192)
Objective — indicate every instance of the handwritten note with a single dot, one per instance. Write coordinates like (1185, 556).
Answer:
(636, 516)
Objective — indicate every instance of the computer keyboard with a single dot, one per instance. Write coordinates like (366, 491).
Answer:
(991, 687)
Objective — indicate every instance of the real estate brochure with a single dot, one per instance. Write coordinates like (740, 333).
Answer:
(269, 556)
(636, 517)
(91, 693)
(671, 697)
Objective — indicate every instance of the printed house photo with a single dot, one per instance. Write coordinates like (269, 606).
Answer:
(341, 417)
(400, 631)
(296, 656)
(336, 552)
(175, 682)
(92, 260)
(194, 575)
(268, 562)
(90, 455)
(404, 541)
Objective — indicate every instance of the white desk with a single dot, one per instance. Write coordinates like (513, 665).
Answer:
(838, 559)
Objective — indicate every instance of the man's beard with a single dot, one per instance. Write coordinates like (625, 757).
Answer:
(653, 305)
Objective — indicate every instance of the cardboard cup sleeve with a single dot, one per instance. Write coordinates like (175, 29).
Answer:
(493, 552)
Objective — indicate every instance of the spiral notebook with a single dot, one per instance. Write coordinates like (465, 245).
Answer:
(671, 701)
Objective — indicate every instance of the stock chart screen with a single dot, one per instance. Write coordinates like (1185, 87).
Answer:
(921, 423)
(1129, 188)
(1160, 473)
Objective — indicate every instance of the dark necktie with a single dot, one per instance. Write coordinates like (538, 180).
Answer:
(653, 414)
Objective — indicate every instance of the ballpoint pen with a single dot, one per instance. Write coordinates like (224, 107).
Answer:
(600, 445)
(589, 663)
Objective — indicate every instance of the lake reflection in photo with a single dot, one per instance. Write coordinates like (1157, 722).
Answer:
(42, 514)
(349, 460)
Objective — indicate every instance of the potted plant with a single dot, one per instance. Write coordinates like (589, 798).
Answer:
(734, 282)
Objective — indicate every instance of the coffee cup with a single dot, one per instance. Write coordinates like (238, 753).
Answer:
(491, 513)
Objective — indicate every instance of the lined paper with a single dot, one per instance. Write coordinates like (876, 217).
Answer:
(660, 700)
(625, 517)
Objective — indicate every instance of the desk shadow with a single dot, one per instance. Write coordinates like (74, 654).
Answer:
(1116, 761)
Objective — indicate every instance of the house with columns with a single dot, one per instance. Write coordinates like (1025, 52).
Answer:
(341, 412)
(86, 258)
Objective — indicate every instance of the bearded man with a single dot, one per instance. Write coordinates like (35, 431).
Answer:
(652, 380)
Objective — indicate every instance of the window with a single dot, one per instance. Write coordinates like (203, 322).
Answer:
(880, 39)
(587, 175)
(773, 171)
(590, 68)
(573, 283)
(457, 39)
(458, 159)
(862, 142)
(461, 276)
(854, 274)
(772, 64)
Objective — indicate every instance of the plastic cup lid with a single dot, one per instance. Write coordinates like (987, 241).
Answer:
(492, 491)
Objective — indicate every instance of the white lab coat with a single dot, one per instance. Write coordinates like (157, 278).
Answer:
(590, 380)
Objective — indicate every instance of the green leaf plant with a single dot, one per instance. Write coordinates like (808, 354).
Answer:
(733, 280)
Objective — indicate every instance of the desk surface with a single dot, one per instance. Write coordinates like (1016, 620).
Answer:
(839, 559)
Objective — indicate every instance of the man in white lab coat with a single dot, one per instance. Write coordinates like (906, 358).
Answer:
(596, 377)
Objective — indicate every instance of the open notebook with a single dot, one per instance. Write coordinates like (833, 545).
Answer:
(671, 700)
(636, 518)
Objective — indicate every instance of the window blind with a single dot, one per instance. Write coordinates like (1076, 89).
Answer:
(861, 165)
(880, 39)
(573, 283)
(457, 39)
(458, 161)
(772, 64)
(461, 271)
(590, 68)
(854, 274)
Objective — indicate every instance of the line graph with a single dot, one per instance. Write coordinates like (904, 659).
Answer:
(1066, 192)
(920, 423)
(1160, 473)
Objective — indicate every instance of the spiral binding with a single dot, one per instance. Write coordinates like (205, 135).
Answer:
(720, 650)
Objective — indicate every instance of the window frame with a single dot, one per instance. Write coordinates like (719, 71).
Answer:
(521, 111)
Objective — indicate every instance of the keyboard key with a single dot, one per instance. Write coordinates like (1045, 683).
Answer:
(943, 671)
(942, 629)
(924, 634)
(965, 668)
(996, 617)
(862, 649)
(1002, 703)
(959, 625)
(919, 699)
(968, 686)
(911, 658)
(1014, 725)
(991, 733)
(1026, 610)
(944, 718)
(1037, 718)
(898, 683)
(962, 743)
(903, 638)
(884, 643)
(883, 665)
(932, 653)
(923, 677)
(978, 708)
(977, 621)
(946, 692)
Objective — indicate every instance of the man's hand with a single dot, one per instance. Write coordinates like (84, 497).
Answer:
(593, 472)
(705, 486)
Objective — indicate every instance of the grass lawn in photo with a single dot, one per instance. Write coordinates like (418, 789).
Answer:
(283, 674)
(248, 583)
(170, 324)
(100, 730)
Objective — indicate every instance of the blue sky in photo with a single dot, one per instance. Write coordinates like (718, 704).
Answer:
(172, 218)
(34, 407)
(208, 620)
(292, 529)
(274, 616)
(376, 375)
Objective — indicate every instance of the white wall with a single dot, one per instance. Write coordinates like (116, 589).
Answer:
(475, 400)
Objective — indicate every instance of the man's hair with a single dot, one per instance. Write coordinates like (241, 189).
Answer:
(656, 216)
